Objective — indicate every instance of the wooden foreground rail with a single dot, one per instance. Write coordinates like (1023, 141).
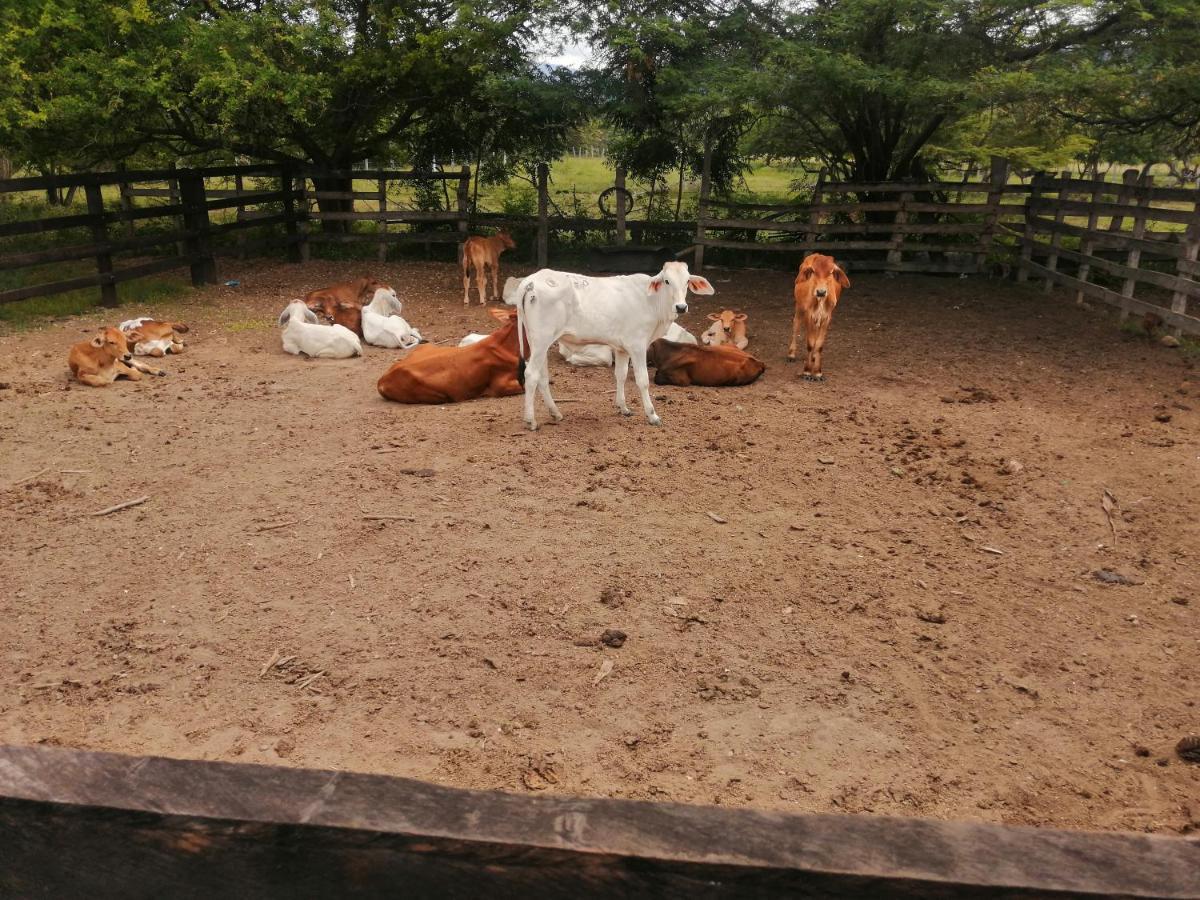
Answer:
(82, 824)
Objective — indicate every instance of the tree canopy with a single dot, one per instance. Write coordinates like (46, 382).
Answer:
(873, 89)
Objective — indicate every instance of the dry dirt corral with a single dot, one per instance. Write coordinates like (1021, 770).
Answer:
(877, 618)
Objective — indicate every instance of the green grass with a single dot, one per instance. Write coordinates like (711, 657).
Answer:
(142, 293)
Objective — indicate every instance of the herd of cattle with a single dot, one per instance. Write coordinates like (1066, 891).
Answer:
(610, 321)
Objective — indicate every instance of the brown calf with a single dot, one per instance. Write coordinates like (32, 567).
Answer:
(155, 338)
(727, 327)
(106, 357)
(482, 253)
(819, 283)
(684, 365)
(342, 303)
(431, 374)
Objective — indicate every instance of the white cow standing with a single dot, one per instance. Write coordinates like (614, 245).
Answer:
(625, 312)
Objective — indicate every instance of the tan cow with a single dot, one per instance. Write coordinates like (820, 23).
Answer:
(727, 327)
(106, 357)
(818, 286)
(484, 253)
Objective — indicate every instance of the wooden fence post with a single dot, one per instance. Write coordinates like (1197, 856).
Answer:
(381, 224)
(1061, 196)
(291, 225)
(998, 176)
(814, 215)
(126, 199)
(1133, 260)
(543, 223)
(300, 187)
(702, 206)
(619, 181)
(1088, 244)
(195, 220)
(1129, 179)
(173, 190)
(464, 209)
(95, 205)
(1035, 193)
(895, 256)
(1179, 299)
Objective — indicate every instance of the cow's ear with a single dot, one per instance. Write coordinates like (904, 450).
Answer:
(740, 317)
(840, 277)
(655, 284)
(700, 285)
(285, 315)
(714, 317)
(97, 341)
(806, 272)
(134, 337)
(311, 318)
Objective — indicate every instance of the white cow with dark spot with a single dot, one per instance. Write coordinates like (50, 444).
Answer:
(624, 312)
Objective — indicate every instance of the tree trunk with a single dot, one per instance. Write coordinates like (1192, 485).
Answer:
(679, 193)
(334, 184)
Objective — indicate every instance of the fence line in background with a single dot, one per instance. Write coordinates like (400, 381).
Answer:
(1149, 244)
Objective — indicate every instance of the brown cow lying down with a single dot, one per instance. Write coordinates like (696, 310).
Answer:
(342, 303)
(430, 374)
(106, 357)
(156, 338)
(694, 364)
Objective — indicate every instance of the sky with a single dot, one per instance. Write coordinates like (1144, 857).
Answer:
(565, 53)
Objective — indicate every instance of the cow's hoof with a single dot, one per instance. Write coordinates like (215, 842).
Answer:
(160, 374)
(558, 417)
(808, 376)
(654, 420)
(532, 426)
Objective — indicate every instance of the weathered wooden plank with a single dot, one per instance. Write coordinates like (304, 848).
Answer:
(1084, 207)
(1158, 279)
(854, 228)
(249, 222)
(129, 273)
(1153, 194)
(82, 179)
(248, 199)
(81, 251)
(392, 237)
(1118, 240)
(835, 246)
(102, 825)
(1187, 324)
(388, 174)
(392, 215)
(350, 195)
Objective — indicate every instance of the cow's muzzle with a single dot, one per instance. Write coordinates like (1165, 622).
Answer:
(128, 357)
(821, 293)
(680, 308)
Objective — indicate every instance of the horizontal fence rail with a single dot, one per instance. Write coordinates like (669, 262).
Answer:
(1129, 244)
(83, 824)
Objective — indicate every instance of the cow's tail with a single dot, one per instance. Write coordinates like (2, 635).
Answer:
(520, 304)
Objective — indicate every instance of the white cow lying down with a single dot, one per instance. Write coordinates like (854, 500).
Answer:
(624, 312)
(600, 355)
(382, 324)
(303, 335)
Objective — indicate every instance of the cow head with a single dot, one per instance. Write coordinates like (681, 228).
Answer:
(823, 276)
(297, 308)
(115, 342)
(727, 318)
(674, 282)
(384, 301)
(506, 240)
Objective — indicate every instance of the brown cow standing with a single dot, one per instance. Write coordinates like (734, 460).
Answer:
(484, 252)
(684, 365)
(342, 303)
(430, 374)
(106, 357)
(819, 283)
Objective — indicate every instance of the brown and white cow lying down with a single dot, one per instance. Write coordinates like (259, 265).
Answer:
(431, 374)
(342, 303)
(684, 365)
(106, 357)
(728, 327)
(818, 286)
(156, 338)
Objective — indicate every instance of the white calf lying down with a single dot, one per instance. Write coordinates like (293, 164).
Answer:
(601, 355)
(303, 335)
(382, 325)
(624, 312)
(473, 338)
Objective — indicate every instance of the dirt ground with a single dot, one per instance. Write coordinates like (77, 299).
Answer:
(835, 597)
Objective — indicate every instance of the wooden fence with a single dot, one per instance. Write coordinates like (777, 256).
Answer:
(1135, 234)
(80, 824)
(1156, 256)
